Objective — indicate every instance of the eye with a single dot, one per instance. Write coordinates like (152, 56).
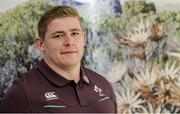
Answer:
(58, 36)
(75, 33)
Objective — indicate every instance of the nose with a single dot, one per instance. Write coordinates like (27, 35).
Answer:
(68, 40)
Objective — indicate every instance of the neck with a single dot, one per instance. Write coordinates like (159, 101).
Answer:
(68, 72)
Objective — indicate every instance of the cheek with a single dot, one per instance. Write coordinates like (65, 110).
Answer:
(81, 45)
(52, 47)
(82, 42)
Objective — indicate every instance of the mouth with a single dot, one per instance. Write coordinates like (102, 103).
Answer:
(68, 52)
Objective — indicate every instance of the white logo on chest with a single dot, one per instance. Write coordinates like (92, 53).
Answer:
(98, 90)
(51, 96)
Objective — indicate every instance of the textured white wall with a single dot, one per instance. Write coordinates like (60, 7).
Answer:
(7, 4)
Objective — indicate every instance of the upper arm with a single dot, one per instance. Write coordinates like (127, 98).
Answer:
(14, 101)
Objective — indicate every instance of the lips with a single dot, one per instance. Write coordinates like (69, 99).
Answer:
(68, 52)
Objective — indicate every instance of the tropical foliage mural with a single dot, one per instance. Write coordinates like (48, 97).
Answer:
(136, 49)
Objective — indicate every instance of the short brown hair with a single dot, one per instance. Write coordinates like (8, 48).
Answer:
(57, 11)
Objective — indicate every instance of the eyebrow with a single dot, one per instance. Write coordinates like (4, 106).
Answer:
(74, 29)
(56, 32)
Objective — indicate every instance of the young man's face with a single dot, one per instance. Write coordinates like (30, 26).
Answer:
(64, 42)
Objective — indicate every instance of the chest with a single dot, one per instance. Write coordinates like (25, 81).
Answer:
(71, 99)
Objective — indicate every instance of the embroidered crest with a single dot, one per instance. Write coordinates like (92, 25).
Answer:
(98, 90)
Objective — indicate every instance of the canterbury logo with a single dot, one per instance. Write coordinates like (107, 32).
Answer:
(51, 96)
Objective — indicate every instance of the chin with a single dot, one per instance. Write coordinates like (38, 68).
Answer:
(71, 63)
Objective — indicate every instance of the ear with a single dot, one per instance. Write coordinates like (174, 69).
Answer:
(39, 43)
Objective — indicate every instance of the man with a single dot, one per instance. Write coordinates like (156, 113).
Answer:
(59, 83)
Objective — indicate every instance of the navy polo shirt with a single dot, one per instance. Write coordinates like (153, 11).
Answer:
(43, 90)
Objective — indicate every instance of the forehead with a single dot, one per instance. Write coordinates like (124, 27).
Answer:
(64, 23)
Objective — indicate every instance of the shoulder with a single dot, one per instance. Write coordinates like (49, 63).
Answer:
(14, 100)
(26, 83)
(21, 83)
(28, 77)
(100, 82)
(96, 78)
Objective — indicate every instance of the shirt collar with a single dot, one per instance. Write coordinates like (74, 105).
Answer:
(84, 76)
(57, 79)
